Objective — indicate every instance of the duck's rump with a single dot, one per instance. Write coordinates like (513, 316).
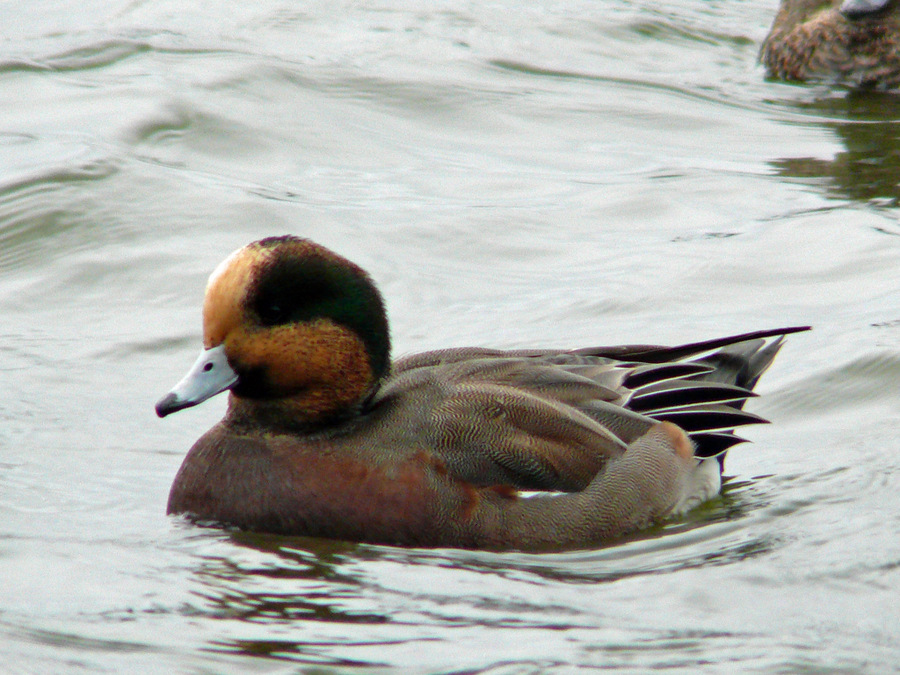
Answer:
(552, 419)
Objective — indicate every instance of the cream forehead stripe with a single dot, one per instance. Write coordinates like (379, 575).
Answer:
(225, 292)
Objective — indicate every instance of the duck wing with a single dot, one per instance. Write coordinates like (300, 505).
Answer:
(504, 421)
(552, 419)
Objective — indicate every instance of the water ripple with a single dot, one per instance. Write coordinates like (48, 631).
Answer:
(89, 57)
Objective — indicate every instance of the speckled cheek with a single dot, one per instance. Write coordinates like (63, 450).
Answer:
(301, 356)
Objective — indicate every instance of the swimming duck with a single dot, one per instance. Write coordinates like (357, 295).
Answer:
(325, 436)
(854, 42)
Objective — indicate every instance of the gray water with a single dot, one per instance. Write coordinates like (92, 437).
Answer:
(557, 173)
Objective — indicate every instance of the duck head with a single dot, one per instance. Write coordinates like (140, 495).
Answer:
(297, 333)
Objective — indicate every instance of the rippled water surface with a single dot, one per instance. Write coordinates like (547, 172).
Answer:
(512, 174)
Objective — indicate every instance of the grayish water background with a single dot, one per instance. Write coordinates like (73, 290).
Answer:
(513, 174)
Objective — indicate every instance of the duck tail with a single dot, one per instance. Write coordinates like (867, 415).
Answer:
(708, 402)
(741, 364)
(660, 354)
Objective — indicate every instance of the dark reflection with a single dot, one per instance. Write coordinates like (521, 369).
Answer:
(868, 125)
(292, 581)
(290, 650)
(331, 596)
(294, 578)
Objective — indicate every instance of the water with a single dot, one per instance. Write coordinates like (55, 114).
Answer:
(556, 173)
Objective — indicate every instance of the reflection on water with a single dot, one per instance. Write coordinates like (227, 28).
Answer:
(300, 583)
(280, 579)
(374, 606)
(868, 126)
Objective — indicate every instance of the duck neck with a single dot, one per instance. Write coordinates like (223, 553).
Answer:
(311, 412)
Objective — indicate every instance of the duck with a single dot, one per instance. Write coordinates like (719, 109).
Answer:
(850, 42)
(465, 447)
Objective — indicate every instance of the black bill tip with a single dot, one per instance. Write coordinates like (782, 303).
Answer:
(171, 403)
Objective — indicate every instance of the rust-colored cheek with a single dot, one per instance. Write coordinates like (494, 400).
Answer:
(320, 366)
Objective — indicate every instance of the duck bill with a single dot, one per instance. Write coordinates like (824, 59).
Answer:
(210, 375)
(855, 9)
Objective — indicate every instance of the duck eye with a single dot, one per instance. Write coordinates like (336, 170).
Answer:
(271, 313)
